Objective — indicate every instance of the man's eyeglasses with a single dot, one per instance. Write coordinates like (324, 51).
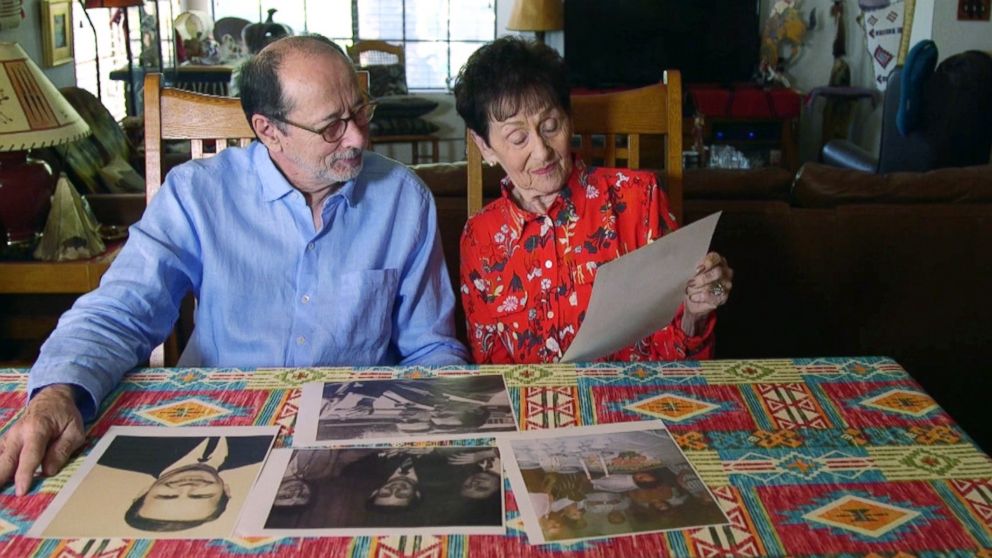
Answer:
(334, 131)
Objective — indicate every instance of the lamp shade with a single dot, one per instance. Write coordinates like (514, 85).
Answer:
(33, 113)
(536, 15)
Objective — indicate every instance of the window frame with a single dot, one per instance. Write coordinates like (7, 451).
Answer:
(403, 40)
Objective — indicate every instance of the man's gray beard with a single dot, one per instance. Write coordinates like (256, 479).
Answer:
(345, 177)
(328, 174)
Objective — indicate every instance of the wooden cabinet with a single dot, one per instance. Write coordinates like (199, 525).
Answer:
(774, 141)
(34, 294)
(763, 123)
(55, 277)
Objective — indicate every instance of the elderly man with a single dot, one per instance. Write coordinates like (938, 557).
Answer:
(302, 250)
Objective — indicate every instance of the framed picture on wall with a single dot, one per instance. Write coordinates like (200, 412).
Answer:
(56, 32)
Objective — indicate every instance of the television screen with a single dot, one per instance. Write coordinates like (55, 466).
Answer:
(629, 43)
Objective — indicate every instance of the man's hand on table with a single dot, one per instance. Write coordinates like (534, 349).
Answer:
(48, 433)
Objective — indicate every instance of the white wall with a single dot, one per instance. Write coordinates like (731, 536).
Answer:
(28, 35)
(936, 19)
(953, 36)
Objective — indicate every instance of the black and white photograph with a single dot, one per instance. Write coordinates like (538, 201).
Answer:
(606, 480)
(159, 482)
(398, 410)
(365, 491)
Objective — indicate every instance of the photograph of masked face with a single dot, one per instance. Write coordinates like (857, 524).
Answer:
(187, 484)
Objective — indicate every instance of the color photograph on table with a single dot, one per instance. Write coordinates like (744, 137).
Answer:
(159, 483)
(398, 410)
(377, 491)
(606, 480)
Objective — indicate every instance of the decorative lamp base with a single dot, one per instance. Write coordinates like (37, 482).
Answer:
(26, 187)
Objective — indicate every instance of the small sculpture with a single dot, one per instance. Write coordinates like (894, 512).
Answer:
(71, 232)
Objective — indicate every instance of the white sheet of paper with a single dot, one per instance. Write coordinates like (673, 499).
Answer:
(639, 293)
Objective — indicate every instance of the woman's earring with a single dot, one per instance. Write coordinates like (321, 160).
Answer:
(489, 163)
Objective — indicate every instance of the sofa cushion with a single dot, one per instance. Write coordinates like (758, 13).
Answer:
(122, 210)
(766, 183)
(97, 163)
(450, 180)
(402, 106)
(401, 127)
(823, 186)
(119, 177)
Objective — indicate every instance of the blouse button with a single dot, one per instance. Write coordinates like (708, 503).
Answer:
(301, 340)
(551, 315)
(305, 299)
(310, 247)
(547, 264)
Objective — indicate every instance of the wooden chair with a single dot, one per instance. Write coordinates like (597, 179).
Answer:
(210, 124)
(376, 53)
(651, 110)
(379, 53)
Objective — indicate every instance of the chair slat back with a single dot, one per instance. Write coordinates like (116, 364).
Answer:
(175, 114)
(598, 121)
(375, 53)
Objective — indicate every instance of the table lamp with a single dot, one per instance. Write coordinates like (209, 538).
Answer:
(536, 15)
(33, 114)
(124, 5)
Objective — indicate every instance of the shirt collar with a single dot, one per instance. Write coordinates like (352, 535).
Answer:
(561, 207)
(275, 186)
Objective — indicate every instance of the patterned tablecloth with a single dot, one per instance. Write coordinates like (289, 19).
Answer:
(807, 457)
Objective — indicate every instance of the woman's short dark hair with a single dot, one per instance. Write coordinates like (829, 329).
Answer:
(258, 81)
(505, 76)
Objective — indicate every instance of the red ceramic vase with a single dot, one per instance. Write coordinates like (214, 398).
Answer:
(26, 187)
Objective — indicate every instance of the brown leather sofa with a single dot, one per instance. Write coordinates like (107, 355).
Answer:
(833, 262)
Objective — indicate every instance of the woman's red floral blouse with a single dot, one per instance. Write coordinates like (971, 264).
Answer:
(526, 279)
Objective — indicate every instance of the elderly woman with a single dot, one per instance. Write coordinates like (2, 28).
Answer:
(529, 259)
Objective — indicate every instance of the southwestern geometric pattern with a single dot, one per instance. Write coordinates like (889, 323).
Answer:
(807, 457)
(671, 407)
(183, 413)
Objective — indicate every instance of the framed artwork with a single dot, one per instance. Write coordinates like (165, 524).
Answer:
(56, 32)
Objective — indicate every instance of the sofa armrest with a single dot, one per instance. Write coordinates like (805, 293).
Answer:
(823, 186)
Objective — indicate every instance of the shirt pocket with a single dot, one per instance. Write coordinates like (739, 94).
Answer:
(516, 323)
(361, 308)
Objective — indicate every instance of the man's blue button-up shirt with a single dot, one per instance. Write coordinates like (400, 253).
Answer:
(369, 288)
